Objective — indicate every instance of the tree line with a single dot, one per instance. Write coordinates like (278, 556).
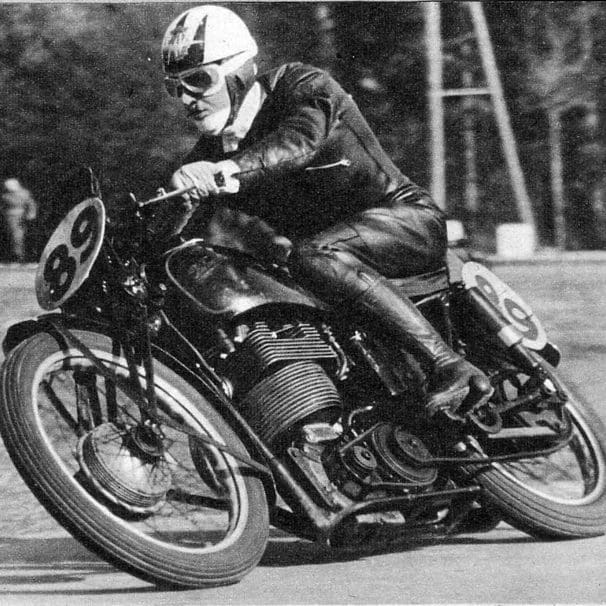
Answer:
(82, 84)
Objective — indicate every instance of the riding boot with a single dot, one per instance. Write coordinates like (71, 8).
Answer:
(452, 379)
(339, 276)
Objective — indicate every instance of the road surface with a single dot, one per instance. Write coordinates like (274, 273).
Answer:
(41, 564)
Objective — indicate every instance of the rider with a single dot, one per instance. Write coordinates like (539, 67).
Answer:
(292, 151)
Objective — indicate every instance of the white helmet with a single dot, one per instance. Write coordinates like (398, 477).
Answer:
(205, 34)
(209, 35)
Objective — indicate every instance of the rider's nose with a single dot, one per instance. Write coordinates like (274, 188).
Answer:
(188, 100)
(192, 104)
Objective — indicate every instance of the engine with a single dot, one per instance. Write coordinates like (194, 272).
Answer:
(283, 380)
(280, 378)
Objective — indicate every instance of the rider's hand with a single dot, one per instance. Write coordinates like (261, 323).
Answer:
(208, 178)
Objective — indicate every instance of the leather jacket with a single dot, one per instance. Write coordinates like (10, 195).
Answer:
(309, 159)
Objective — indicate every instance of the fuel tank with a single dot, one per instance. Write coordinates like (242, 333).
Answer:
(224, 282)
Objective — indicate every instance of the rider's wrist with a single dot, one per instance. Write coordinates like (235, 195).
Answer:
(229, 169)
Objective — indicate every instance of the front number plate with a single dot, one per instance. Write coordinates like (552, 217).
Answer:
(70, 253)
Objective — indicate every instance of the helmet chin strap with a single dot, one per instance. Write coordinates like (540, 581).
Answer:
(238, 84)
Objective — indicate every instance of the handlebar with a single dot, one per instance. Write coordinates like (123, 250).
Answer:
(219, 180)
(166, 196)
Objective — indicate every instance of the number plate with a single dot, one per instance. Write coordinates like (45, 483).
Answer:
(508, 302)
(70, 253)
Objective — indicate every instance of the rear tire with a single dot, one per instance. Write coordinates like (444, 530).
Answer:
(560, 496)
(185, 542)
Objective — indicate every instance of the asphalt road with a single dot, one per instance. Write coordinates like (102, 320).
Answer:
(41, 564)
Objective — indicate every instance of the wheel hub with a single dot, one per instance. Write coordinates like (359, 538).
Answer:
(113, 460)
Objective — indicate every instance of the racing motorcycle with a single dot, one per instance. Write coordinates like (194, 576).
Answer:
(172, 405)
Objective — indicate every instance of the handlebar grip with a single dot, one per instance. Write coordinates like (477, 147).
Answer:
(219, 181)
(167, 196)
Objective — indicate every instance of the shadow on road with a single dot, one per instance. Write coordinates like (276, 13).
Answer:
(56, 561)
(64, 560)
(60, 551)
(284, 550)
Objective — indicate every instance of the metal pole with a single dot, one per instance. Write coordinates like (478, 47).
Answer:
(507, 138)
(433, 44)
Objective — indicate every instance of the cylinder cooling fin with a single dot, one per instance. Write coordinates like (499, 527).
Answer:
(280, 376)
(301, 391)
(265, 348)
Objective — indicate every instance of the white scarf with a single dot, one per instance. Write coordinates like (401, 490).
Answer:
(236, 131)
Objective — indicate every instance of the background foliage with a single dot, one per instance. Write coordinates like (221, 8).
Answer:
(81, 83)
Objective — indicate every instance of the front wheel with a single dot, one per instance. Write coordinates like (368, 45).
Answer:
(150, 498)
(559, 495)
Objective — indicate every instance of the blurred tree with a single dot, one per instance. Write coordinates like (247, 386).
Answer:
(561, 73)
(82, 84)
(380, 59)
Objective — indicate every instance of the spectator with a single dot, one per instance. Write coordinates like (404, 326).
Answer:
(18, 209)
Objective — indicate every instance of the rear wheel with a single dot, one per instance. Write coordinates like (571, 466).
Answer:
(150, 498)
(558, 495)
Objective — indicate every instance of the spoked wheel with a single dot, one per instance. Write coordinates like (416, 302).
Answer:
(149, 497)
(561, 494)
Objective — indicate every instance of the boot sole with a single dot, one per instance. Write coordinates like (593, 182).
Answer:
(449, 399)
(453, 400)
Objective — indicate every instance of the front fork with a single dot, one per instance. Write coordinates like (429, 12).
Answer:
(527, 360)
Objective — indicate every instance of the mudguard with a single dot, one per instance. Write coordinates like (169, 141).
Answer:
(170, 357)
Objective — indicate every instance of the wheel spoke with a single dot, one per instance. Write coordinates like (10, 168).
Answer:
(567, 474)
(60, 408)
(115, 471)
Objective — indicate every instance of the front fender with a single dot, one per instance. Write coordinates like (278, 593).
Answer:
(20, 331)
(171, 357)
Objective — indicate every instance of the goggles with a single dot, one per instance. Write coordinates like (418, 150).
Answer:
(200, 81)
(204, 80)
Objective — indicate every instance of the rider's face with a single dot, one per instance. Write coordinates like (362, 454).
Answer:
(210, 113)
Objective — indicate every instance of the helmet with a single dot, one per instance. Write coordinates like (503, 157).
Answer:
(205, 34)
(212, 34)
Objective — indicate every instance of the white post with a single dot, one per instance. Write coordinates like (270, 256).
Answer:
(557, 177)
(433, 44)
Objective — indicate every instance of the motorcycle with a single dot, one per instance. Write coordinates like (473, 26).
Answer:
(172, 405)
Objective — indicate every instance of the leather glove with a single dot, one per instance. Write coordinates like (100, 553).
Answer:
(207, 178)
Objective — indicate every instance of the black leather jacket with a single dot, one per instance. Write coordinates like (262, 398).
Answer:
(309, 159)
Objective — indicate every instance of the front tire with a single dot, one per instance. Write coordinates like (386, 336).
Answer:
(204, 523)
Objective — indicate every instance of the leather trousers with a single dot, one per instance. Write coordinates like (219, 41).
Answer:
(349, 262)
